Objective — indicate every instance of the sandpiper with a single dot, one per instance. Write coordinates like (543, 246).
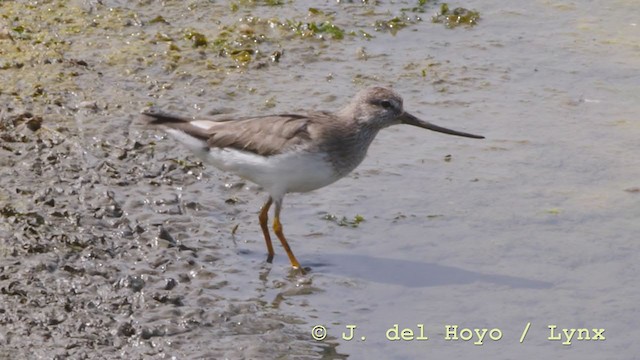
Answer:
(290, 152)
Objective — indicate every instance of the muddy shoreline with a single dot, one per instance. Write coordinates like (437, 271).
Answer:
(115, 242)
(99, 253)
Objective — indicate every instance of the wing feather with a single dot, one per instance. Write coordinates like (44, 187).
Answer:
(267, 135)
(264, 135)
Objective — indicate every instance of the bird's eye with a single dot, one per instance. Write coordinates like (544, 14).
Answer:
(386, 104)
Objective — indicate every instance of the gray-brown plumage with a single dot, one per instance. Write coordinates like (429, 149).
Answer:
(277, 134)
(293, 153)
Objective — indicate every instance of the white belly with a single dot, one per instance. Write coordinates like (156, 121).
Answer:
(277, 174)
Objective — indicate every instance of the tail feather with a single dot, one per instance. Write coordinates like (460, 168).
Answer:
(170, 122)
(182, 129)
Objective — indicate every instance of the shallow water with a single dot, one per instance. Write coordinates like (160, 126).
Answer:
(535, 224)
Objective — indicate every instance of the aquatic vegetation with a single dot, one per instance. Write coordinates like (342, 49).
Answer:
(198, 39)
(35, 32)
(344, 221)
(392, 25)
(52, 40)
(419, 8)
(456, 17)
(316, 30)
(236, 5)
(396, 23)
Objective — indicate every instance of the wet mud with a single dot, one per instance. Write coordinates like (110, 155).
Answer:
(92, 219)
(115, 242)
(87, 273)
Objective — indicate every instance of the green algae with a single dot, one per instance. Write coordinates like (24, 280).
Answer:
(456, 17)
(244, 41)
(344, 221)
(197, 39)
(47, 50)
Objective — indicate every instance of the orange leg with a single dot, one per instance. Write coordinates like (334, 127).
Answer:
(264, 218)
(277, 228)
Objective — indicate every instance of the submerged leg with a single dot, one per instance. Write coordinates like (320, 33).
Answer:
(264, 218)
(277, 228)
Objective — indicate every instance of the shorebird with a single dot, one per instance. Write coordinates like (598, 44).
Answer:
(290, 152)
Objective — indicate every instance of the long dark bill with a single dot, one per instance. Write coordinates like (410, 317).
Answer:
(409, 119)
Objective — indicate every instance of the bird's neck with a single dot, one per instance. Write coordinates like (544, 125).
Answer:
(350, 146)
